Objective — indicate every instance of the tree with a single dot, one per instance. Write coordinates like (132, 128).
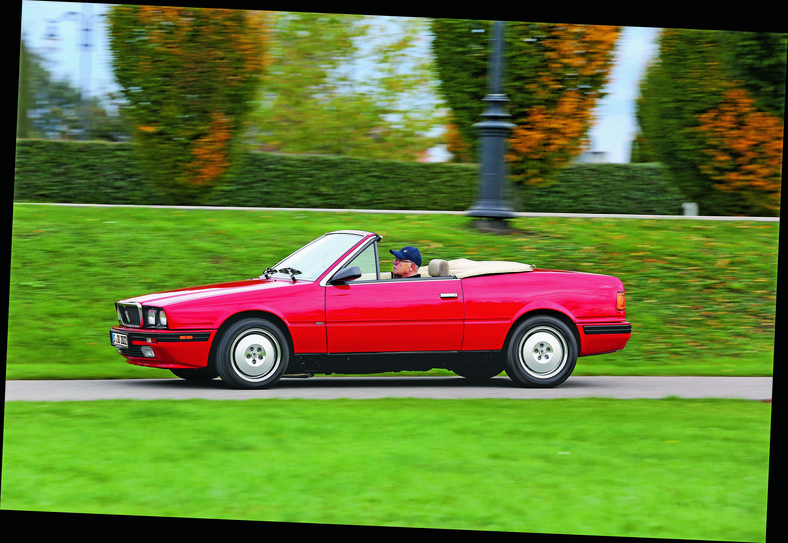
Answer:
(346, 85)
(757, 61)
(23, 103)
(641, 151)
(189, 76)
(50, 108)
(744, 148)
(554, 76)
(706, 126)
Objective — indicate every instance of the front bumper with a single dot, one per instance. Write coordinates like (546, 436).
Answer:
(168, 349)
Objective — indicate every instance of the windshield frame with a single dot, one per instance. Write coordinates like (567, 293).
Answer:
(318, 256)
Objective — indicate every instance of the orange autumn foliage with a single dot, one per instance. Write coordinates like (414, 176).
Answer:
(455, 143)
(745, 148)
(564, 91)
(189, 75)
(211, 152)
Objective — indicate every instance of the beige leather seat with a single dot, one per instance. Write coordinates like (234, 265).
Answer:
(438, 268)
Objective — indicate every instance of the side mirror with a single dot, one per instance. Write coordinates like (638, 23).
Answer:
(346, 274)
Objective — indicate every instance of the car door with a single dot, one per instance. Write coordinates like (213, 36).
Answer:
(394, 315)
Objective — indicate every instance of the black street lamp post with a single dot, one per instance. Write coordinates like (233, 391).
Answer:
(490, 205)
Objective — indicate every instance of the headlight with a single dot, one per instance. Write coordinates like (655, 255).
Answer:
(155, 317)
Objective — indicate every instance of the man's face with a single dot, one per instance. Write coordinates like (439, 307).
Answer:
(401, 267)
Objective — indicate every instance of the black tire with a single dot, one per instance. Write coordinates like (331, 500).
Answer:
(197, 374)
(252, 353)
(476, 373)
(541, 353)
(479, 369)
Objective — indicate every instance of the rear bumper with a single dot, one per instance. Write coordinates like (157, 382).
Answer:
(602, 338)
(168, 349)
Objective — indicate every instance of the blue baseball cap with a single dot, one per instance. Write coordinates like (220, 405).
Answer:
(408, 253)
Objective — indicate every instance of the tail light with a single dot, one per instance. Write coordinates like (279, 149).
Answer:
(621, 301)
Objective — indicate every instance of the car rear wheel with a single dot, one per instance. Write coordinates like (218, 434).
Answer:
(252, 353)
(542, 352)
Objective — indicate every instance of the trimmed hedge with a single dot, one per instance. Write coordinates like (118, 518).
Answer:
(106, 173)
(606, 188)
(275, 180)
(78, 173)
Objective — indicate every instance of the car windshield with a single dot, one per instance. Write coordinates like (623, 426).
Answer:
(315, 257)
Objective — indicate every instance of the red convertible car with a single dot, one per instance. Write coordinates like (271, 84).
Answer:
(329, 308)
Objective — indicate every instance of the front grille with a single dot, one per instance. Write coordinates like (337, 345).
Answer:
(130, 314)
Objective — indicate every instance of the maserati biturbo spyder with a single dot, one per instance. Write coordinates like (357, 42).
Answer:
(330, 308)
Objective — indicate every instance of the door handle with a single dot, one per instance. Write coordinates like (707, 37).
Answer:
(448, 295)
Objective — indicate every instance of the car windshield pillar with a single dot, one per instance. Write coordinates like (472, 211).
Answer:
(316, 257)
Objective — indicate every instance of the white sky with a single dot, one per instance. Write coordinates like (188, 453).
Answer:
(612, 133)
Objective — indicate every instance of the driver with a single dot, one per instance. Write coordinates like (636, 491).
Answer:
(406, 263)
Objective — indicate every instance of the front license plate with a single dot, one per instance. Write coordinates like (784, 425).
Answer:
(120, 340)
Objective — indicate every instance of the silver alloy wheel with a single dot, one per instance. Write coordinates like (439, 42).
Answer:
(542, 352)
(255, 354)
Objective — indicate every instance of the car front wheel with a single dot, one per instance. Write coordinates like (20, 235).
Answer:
(541, 353)
(252, 353)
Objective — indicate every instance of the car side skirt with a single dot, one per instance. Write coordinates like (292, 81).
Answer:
(349, 363)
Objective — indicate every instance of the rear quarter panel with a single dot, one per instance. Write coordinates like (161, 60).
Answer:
(494, 303)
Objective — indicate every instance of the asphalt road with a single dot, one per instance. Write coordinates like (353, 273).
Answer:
(327, 388)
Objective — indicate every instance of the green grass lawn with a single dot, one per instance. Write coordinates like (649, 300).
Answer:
(678, 469)
(701, 295)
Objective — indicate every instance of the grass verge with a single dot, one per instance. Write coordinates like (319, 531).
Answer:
(701, 295)
(678, 469)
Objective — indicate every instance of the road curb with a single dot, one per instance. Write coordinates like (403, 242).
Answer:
(423, 212)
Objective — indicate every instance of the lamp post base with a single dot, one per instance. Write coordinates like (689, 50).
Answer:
(493, 226)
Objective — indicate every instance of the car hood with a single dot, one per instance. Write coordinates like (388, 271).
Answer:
(171, 297)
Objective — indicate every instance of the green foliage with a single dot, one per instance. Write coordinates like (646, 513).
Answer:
(52, 108)
(641, 151)
(684, 83)
(26, 64)
(189, 76)
(79, 172)
(461, 49)
(605, 188)
(272, 180)
(553, 76)
(758, 61)
(72, 172)
(100, 173)
(329, 91)
(690, 78)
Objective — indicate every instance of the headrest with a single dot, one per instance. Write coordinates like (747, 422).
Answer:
(438, 268)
